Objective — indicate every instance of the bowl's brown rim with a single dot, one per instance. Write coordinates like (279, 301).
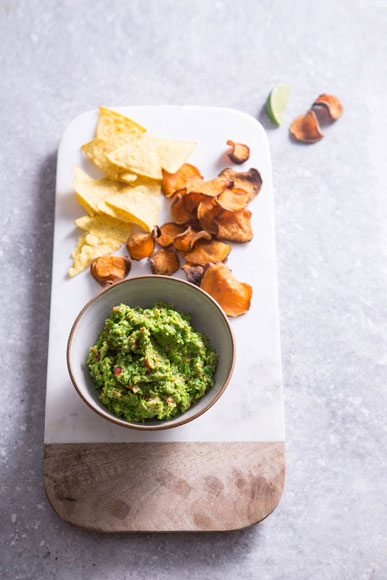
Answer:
(163, 425)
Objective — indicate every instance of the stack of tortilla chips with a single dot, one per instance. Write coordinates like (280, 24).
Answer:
(132, 160)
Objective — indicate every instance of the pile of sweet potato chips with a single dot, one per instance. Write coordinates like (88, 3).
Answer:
(206, 215)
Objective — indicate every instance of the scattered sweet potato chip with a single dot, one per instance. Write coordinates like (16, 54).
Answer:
(233, 296)
(186, 241)
(180, 214)
(156, 232)
(238, 153)
(306, 128)
(322, 114)
(140, 245)
(234, 226)
(250, 181)
(212, 188)
(169, 231)
(193, 272)
(206, 251)
(192, 200)
(164, 262)
(171, 182)
(331, 103)
(208, 209)
(108, 269)
(233, 199)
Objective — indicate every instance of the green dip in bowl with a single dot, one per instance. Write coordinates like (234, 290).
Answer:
(151, 363)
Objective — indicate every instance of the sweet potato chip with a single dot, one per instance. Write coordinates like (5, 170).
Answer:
(164, 262)
(186, 241)
(238, 153)
(212, 188)
(306, 128)
(108, 269)
(140, 245)
(322, 114)
(193, 272)
(234, 226)
(206, 251)
(331, 103)
(171, 182)
(180, 214)
(250, 181)
(233, 296)
(156, 232)
(192, 200)
(207, 210)
(233, 199)
(169, 231)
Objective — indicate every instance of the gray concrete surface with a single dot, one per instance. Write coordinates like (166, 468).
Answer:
(61, 58)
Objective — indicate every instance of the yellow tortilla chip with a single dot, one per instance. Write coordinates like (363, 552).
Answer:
(91, 191)
(140, 205)
(140, 156)
(98, 149)
(105, 209)
(147, 181)
(105, 226)
(127, 177)
(173, 153)
(96, 152)
(88, 248)
(110, 123)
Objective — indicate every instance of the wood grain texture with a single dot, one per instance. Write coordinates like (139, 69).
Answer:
(149, 487)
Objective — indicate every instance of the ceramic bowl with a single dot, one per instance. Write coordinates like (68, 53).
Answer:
(144, 291)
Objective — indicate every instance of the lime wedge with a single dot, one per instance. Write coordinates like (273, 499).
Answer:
(277, 102)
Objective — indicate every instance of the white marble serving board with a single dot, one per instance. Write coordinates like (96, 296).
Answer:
(251, 409)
